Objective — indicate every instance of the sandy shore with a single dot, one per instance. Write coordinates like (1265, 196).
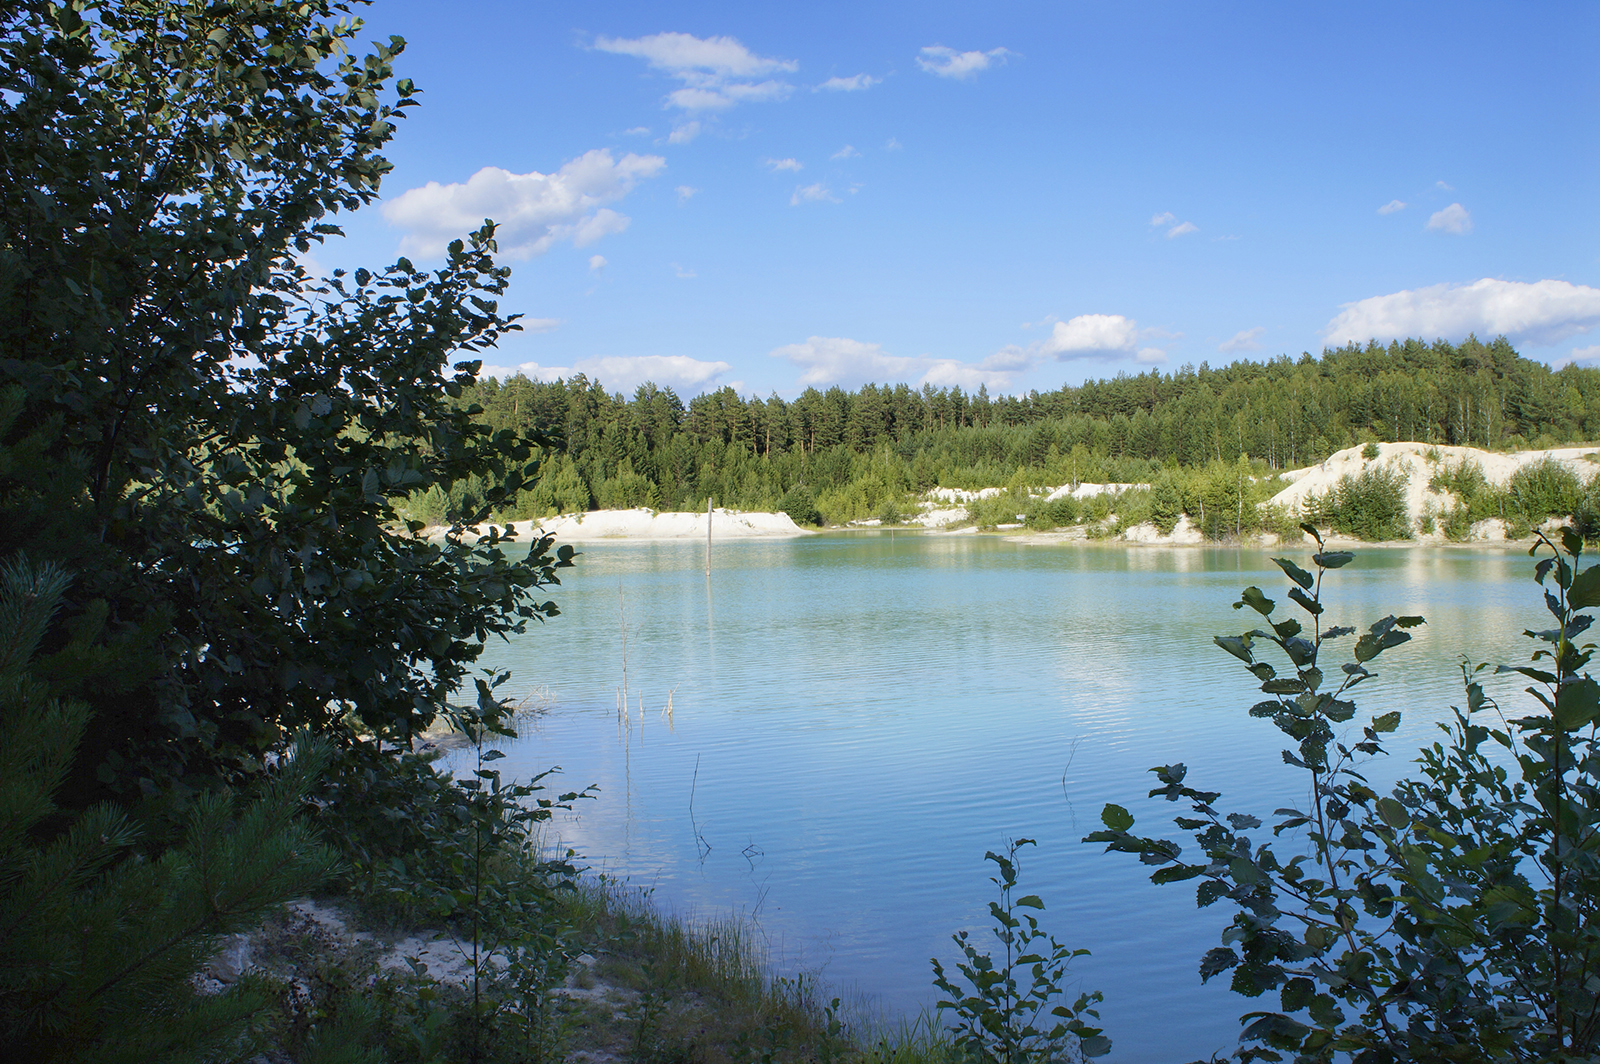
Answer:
(649, 525)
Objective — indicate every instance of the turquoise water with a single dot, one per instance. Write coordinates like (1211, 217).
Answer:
(856, 718)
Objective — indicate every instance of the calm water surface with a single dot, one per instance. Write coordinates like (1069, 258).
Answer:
(857, 718)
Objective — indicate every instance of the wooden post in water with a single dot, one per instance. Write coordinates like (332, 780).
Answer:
(709, 501)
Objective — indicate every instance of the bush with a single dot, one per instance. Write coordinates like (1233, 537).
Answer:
(1370, 505)
(1545, 489)
(801, 506)
(1057, 513)
(1166, 504)
(1455, 919)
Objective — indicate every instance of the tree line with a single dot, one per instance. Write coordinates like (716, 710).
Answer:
(846, 454)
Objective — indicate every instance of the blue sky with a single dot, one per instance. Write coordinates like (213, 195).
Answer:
(1014, 194)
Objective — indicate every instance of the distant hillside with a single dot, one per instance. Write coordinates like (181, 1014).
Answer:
(848, 454)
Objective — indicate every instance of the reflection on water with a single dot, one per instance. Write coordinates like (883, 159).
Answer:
(869, 714)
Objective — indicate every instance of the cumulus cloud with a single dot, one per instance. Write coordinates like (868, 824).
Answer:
(624, 374)
(839, 360)
(792, 165)
(685, 193)
(597, 263)
(1090, 335)
(637, 131)
(854, 83)
(1445, 187)
(892, 144)
(949, 63)
(817, 193)
(1164, 218)
(1248, 340)
(1539, 313)
(1108, 337)
(846, 152)
(1182, 229)
(717, 72)
(535, 211)
(1392, 206)
(1453, 219)
(683, 273)
(1580, 354)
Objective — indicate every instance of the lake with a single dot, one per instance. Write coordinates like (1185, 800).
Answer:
(857, 717)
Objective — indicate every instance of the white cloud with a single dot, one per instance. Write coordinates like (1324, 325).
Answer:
(675, 52)
(597, 263)
(1453, 219)
(1392, 206)
(1089, 335)
(1164, 218)
(1248, 340)
(846, 152)
(685, 193)
(817, 193)
(892, 144)
(637, 131)
(1445, 187)
(623, 374)
(684, 134)
(838, 360)
(717, 72)
(683, 273)
(850, 84)
(1539, 313)
(538, 325)
(792, 165)
(534, 210)
(1150, 356)
(1182, 229)
(1579, 354)
(949, 63)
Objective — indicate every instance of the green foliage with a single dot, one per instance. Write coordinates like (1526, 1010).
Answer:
(1370, 451)
(1544, 489)
(103, 927)
(1285, 413)
(219, 445)
(1003, 1011)
(1370, 505)
(801, 507)
(1454, 919)
(1166, 504)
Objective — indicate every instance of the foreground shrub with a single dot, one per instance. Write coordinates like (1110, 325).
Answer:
(1458, 917)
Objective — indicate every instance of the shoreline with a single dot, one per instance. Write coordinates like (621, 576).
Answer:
(644, 526)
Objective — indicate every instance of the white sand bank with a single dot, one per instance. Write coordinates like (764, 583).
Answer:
(649, 525)
(1419, 462)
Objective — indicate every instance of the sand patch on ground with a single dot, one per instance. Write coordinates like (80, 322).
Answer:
(642, 524)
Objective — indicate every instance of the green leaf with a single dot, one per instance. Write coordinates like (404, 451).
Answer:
(1116, 818)
(1585, 589)
(1388, 722)
(1306, 602)
(1336, 559)
(1030, 901)
(1238, 646)
(1253, 598)
(1216, 961)
(1393, 813)
(1295, 573)
(1577, 704)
